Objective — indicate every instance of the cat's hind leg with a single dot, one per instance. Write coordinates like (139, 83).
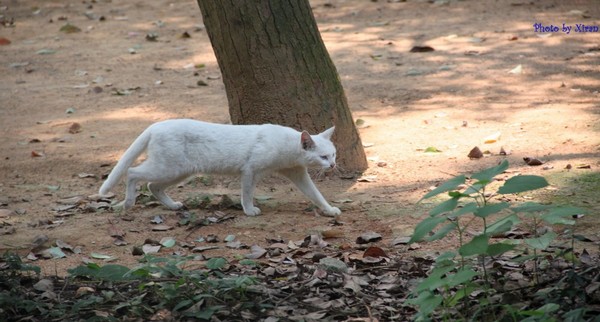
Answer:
(158, 182)
(158, 190)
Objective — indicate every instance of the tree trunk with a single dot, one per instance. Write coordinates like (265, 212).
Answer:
(276, 69)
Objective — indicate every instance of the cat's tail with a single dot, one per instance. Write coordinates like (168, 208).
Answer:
(131, 154)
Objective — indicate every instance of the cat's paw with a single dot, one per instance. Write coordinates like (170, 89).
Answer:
(252, 211)
(175, 205)
(332, 212)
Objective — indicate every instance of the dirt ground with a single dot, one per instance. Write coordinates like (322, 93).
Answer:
(137, 62)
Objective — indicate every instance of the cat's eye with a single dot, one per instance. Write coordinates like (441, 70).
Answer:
(324, 157)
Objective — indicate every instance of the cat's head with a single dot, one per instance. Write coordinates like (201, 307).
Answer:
(319, 150)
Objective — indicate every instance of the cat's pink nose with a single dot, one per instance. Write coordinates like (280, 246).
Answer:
(332, 165)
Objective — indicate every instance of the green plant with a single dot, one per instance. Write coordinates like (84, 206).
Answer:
(473, 202)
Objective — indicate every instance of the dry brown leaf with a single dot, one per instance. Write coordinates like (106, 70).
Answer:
(532, 161)
(375, 252)
(332, 233)
(75, 128)
(161, 228)
(475, 153)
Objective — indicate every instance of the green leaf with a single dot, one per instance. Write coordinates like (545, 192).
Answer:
(474, 188)
(477, 246)
(485, 176)
(522, 183)
(443, 207)
(490, 209)
(56, 252)
(541, 242)
(427, 302)
(182, 304)
(562, 215)
(542, 311)
(432, 149)
(499, 248)
(459, 294)
(168, 242)
(446, 186)
(442, 232)
(466, 209)
(502, 225)
(216, 263)
(462, 276)
(435, 280)
(531, 207)
(425, 227)
(100, 256)
(110, 272)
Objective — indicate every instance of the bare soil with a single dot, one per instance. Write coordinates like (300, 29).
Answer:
(113, 81)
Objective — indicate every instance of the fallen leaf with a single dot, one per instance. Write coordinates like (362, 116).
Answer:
(367, 179)
(161, 228)
(421, 49)
(84, 290)
(152, 36)
(158, 219)
(150, 249)
(36, 154)
(200, 249)
(44, 285)
(62, 245)
(532, 161)
(4, 41)
(120, 241)
(100, 256)
(375, 252)
(584, 166)
(168, 242)
(75, 128)
(432, 149)
(401, 241)
(69, 29)
(368, 237)
(333, 265)
(256, 252)
(45, 51)
(492, 138)
(475, 153)
(56, 252)
(332, 233)
(517, 70)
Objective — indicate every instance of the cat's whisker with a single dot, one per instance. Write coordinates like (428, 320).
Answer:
(320, 173)
(338, 171)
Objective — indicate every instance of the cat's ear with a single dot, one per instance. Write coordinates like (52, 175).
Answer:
(307, 141)
(328, 133)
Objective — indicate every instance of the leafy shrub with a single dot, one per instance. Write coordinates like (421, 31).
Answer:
(452, 279)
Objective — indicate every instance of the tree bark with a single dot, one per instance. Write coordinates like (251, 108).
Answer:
(276, 69)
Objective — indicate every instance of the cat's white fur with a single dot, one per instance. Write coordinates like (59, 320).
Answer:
(176, 149)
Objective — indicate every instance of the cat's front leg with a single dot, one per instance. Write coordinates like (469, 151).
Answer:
(248, 184)
(300, 177)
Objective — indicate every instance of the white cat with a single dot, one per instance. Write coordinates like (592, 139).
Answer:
(177, 149)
